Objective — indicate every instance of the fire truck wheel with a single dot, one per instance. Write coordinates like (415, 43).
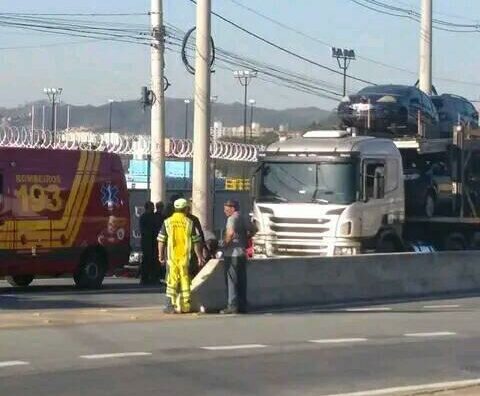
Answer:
(91, 271)
(20, 280)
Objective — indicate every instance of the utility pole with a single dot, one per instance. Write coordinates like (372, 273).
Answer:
(187, 102)
(157, 127)
(344, 57)
(426, 38)
(201, 193)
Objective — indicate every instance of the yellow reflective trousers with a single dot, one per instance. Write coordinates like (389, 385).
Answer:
(179, 238)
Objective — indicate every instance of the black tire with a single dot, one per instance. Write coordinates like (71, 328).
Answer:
(91, 271)
(387, 244)
(20, 280)
(429, 203)
(454, 242)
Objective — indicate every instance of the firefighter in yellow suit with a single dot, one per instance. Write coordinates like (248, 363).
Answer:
(178, 235)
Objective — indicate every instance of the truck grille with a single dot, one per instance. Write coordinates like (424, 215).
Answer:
(299, 250)
(307, 226)
(293, 228)
(284, 220)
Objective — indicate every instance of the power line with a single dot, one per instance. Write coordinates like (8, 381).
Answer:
(112, 14)
(267, 69)
(48, 45)
(283, 49)
(86, 31)
(439, 24)
(326, 44)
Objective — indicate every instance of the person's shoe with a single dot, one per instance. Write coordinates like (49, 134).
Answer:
(169, 309)
(229, 311)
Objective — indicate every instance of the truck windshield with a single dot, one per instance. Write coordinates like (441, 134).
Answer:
(325, 182)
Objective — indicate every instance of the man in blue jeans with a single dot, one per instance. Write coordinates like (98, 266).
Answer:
(235, 258)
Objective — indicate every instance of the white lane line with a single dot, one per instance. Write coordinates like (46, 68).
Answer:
(370, 309)
(233, 347)
(440, 306)
(13, 363)
(432, 334)
(412, 388)
(115, 355)
(338, 340)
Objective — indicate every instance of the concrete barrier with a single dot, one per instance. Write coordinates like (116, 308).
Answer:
(304, 281)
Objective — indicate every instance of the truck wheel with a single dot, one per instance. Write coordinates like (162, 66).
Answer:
(429, 205)
(20, 280)
(455, 241)
(387, 244)
(91, 271)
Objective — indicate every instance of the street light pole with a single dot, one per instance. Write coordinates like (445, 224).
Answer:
(252, 106)
(110, 101)
(345, 55)
(213, 165)
(187, 102)
(244, 77)
(53, 94)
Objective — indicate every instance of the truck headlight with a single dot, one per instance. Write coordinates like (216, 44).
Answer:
(346, 228)
(345, 251)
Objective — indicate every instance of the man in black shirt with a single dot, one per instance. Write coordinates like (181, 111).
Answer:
(159, 270)
(148, 231)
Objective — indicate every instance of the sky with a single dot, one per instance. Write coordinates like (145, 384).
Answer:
(92, 72)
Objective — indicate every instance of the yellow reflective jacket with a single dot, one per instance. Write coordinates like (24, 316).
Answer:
(179, 234)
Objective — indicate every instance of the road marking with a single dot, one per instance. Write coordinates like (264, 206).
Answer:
(440, 306)
(433, 334)
(338, 340)
(13, 363)
(370, 309)
(412, 388)
(233, 347)
(115, 355)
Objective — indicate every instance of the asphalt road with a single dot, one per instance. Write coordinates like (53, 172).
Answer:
(320, 352)
(61, 293)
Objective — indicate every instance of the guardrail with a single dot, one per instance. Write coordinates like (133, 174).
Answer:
(311, 281)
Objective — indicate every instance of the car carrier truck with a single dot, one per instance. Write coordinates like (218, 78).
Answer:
(338, 193)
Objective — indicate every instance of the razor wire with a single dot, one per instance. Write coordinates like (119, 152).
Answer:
(123, 144)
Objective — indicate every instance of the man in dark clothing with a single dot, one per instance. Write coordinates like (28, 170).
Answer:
(193, 267)
(169, 210)
(235, 258)
(159, 270)
(148, 231)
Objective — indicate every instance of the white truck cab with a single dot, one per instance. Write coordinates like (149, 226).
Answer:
(328, 193)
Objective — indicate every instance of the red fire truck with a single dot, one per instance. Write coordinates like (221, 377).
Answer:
(62, 212)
